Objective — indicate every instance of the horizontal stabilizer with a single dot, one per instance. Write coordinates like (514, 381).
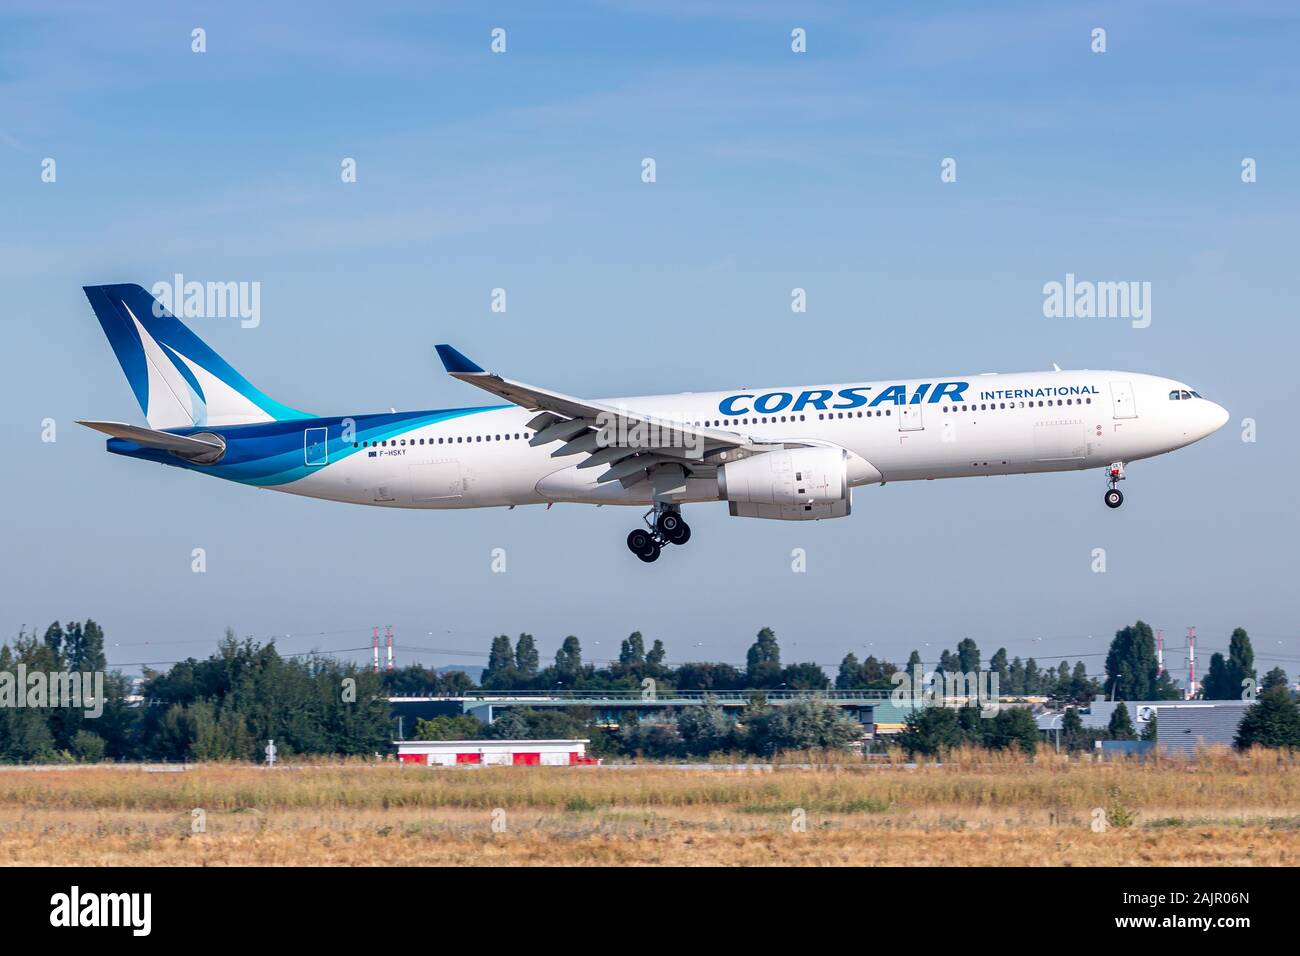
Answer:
(203, 451)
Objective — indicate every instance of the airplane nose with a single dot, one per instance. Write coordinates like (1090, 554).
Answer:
(1218, 416)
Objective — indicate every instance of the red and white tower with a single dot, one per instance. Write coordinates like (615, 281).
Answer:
(388, 633)
(1191, 663)
(375, 655)
(1160, 653)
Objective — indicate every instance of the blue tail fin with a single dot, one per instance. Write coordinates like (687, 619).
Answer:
(177, 379)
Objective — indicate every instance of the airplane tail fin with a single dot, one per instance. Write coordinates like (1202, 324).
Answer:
(177, 379)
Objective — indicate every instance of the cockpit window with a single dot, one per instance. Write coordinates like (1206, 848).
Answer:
(1174, 396)
(1186, 394)
(1196, 394)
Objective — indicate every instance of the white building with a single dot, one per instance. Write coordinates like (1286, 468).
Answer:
(499, 753)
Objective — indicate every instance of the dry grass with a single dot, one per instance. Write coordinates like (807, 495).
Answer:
(976, 809)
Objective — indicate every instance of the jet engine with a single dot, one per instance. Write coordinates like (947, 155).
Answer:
(797, 484)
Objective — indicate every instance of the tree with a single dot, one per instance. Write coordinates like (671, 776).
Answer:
(655, 656)
(1016, 678)
(850, 673)
(806, 676)
(948, 663)
(705, 729)
(500, 671)
(1033, 678)
(568, 660)
(1217, 684)
(763, 661)
(527, 660)
(704, 676)
(1077, 687)
(632, 652)
(88, 747)
(1274, 680)
(1121, 725)
(968, 656)
(1131, 664)
(1241, 663)
(656, 739)
(1014, 727)
(998, 665)
(229, 705)
(1149, 731)
(543, 723)
(460, 727)
(877, 674)
(975, 728)
(1072, 730)
(930, 730)
(1272, 721)
(801, 725)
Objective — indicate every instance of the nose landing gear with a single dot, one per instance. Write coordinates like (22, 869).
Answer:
(1114, 475)
(668, 528)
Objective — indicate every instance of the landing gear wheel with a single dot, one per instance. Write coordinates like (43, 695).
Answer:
(672, 527)
(1114, 498)
(643, 545)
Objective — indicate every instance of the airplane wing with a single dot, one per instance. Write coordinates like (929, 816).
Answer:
(628, 441)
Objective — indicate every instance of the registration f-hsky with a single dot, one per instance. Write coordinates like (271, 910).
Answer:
(792, 453)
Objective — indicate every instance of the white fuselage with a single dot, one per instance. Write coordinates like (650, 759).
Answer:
(893, 431)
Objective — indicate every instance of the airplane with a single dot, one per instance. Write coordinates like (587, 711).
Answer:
(786, 453)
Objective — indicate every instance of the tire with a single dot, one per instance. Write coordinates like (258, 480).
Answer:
(638, 542)
(679, 534)
(669, 524)
(650, 555)
(1114, 498)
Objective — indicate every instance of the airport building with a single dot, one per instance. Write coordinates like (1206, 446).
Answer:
(494, 753)
(1181, 725)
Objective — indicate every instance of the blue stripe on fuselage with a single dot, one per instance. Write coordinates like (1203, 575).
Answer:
(272, 453)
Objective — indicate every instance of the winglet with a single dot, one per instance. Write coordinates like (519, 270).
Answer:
(456, 363)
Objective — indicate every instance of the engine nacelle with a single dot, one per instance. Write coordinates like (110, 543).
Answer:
(799, 484)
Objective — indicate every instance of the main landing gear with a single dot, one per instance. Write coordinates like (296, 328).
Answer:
(669, 528)
(1114, 475)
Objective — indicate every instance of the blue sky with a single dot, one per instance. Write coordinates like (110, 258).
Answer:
(775, 170)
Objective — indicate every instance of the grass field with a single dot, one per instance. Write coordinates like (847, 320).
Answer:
(976, 809)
